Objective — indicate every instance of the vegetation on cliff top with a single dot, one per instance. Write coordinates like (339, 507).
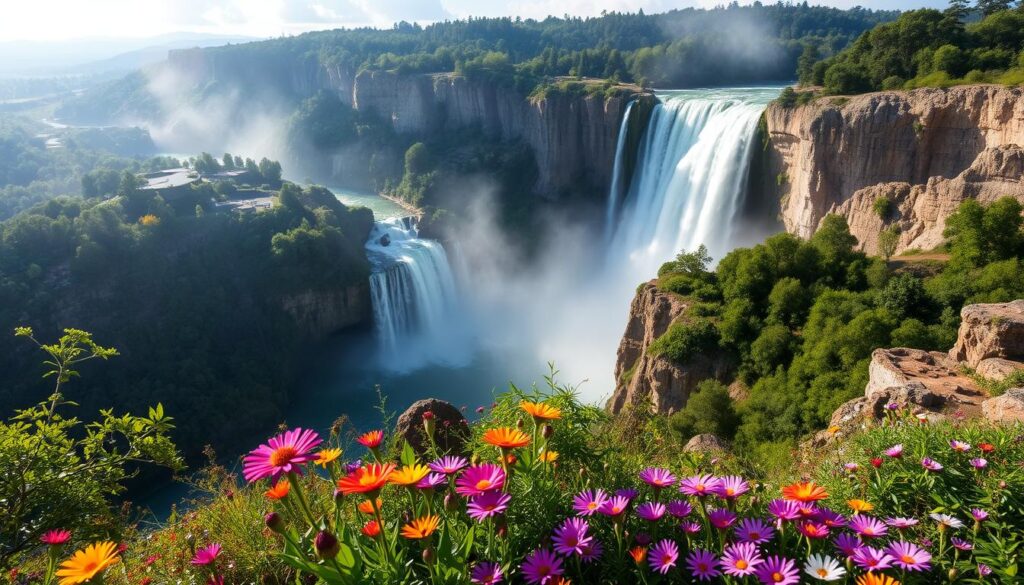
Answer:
(929, 48)
(803, 317)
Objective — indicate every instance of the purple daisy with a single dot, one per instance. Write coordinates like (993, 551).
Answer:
(961, 544)
(588, 502)
(432, 480)
(680, 508)
(628, 493)
(848, 544)
(979, 463)
(731, 487)
(286, 453)
(740, 559)
(486, 574)
(784, 509)
(896, 451)
(699, 485)
(901, 523)
(702, 564)
(872, 559)
(448, 465)
(571, 537)
(663, 556)
(614, 506)
(868, 527)
(657, 477)
(690, 527)
(591, 551)
(909, 557)
(778, 570)
(979, 515)
(831, 518)
(651, 511)
(480, 479)
(541, 567)
(931, 464)
(487, 505)
(754, 530)
(959, 446)
(721, 518)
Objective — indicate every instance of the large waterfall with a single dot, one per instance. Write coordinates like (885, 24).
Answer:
(414, 297)
(689, 180)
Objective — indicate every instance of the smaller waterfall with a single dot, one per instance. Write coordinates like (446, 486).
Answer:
(615, 194)
(414, 297)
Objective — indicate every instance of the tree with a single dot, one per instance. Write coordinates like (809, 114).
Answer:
(888, 239)
(708, 410)
(959, 9)
(805, 64)
(270, 171)
(988, 7)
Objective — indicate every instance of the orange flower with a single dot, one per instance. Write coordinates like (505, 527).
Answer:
(638, 553)
(876, 579)
(506, 438)
(540, 410)
(421, 527)
(409, 474)
(860, 505)
(804, 491)
(371, 440)
(549, 456)
(366, 506)
(326, 456)
(279, 490)
(87, 563)
(371, 529)
(368, 479)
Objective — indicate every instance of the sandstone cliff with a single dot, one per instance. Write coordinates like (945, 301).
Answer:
(925, 150)
(322, 313)
(642, 378)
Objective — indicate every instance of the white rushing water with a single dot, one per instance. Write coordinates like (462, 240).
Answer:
(414, 298)
(689, 181)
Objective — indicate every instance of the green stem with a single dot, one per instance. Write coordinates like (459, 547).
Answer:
(293, 479)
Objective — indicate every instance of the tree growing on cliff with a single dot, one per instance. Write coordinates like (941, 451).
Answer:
(708, 410)
(888, 239)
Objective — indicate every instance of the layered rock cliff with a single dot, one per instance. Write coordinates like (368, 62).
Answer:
(319, 314)
(642, 378)
(925, 150)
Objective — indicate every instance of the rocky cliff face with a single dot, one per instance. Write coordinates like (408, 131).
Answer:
(643, 379)
(321, 313)
(925, 150)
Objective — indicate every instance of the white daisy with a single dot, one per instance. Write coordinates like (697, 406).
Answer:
(824, 568)
(947, 521)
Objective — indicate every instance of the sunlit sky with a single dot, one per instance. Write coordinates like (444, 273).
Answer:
(48, 20)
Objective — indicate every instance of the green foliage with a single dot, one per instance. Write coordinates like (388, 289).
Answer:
(61, 473)
(708, 410)
(882, 207)
(685, 340)
(980, 235)
(888, 239)
(904, 296)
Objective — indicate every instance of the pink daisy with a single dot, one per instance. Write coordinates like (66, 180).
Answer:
(650, 511)
(872, 559)
(663, 556)
(731, 487)
(541, 567)
(614, 506)
(448, 465)
(699, 485)
(740, 559)
(702, 564)
(480, 479)
(486, 574)
(721, 518)
(754, 530)
(571, 537)
(55, 537)
(657, 477)
(589, 502)
(206, 555)
(868, 527)
(896, 451)
(680, 508)
(777, 571)
(931, 464)
(283, 454)
(487, 504)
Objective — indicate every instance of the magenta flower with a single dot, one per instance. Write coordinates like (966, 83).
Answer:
(721, 518)
(651, 511)
(984, 570)
(777, 570)
(702, 564)
(614, 506)
(699, 485)
(571, 537)
(831, 518)
(663, 556)
(872, 559)
(931, 464)
(55, 537)
(206, 556)
(896, 451)
(979, 515)
(784, 509)
(848, 544)
(754, 530)
(740, 559)
(901, 523)
(283, 454)
(432, 481)
(959, 446)
(959, 544)
(812, 529)
(486, 574)
(657, 477)
(487, 505)
(541, 567)
(868, 527)
(591, 551)
(628, 493)
(480, 479)
(909, 557)
(690, 527)
(589, 502)
(643, 539)
(731, 487)
(979, 463)
(851, 466)
(680, 508)
(448, 465)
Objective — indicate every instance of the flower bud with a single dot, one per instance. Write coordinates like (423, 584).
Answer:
(338, 496)
(326, 545)
(953, 574)
(274, 522)
(429, 424)
(502, 531)
(519, 424)
(450, 503)
(546, 431)
(429, 556)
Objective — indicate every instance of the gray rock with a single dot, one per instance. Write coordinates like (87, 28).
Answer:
(1007, 408)
(706, 443)
(452, 427)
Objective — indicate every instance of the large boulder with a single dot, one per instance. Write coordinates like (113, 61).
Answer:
(864, 411)
(1006, 408)
(998, 368)
(706, 443)
(990, 331)
(933, 380)
(452, 427)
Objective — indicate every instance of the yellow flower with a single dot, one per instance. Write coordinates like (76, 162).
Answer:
(85, 564)
(860, 505)
(421, 527)
(326, 456)
(149, 219)
(833, 430)
(409, 475)
(873, 579)
(540, 410)
(506, 438)
(549, 456)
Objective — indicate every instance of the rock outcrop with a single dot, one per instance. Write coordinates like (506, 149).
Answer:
(1006, 408)
(925, 150)
(451, 427)
(643, 379)
(706, 443)
(990, 331)
(321, 313)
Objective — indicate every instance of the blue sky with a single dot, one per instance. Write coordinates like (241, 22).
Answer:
(68, 19)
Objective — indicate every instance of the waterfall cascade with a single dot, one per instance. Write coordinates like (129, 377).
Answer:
(688, 185)
(414, 297)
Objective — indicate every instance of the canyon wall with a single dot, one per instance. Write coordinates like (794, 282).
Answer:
(319, 314)
(642, 378)
(924, 150)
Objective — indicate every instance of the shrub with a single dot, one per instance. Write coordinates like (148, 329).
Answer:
(708, 410)
(904, 296)
(774, 347)
(882, 207)
(685, 340)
